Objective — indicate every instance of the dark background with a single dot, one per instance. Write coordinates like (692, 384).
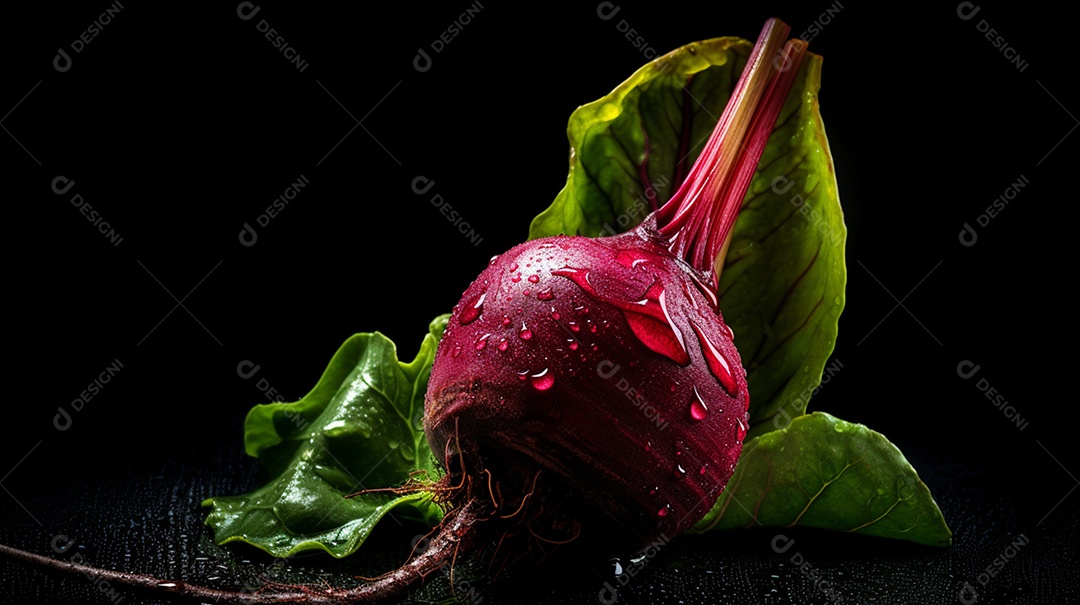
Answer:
(180, 124)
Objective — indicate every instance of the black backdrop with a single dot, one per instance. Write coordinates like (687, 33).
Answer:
(178, 125)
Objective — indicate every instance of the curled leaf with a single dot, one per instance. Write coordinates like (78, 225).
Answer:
(358, 429)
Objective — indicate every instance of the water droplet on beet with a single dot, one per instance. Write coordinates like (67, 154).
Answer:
(543, 380)
(522, 375)
(631, 258)
(698, 409)
(525, 333)
(516, 278)
(651, 323)
(742, 428)
(703, 469)
(689, 295)
(534, 278)
(573, 345)
(545, 294)
(513, 267)
(456, 351)
(578, 276)
(472, 309)
(716, 361)
(506, 320)
(680, 472)
(480, 344)
(503, 345)
(663, 511)
(555, 314)
(708, 290)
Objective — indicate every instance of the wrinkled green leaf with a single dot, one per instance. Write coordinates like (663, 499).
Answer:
(782, 284)
(358, 429)
(824, 472)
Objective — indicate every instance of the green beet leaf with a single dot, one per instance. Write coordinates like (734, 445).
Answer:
(782, 283)
(823, 472)
(358, 429)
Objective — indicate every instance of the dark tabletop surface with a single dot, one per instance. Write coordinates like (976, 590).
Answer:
(179, 125)
(1012, 545)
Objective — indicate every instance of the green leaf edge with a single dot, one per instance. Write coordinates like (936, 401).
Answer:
(260, 431)
(708, 52)
(349, 548)
(260, 422)
(940, 533)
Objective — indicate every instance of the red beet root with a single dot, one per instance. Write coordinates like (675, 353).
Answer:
(584, 385)
(604, 364)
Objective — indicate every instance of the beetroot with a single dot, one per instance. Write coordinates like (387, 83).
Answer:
(586, 386)
(606, 363)
(603, 365)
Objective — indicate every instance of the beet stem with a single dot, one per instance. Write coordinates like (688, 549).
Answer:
(697, 220)
(460, 531)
